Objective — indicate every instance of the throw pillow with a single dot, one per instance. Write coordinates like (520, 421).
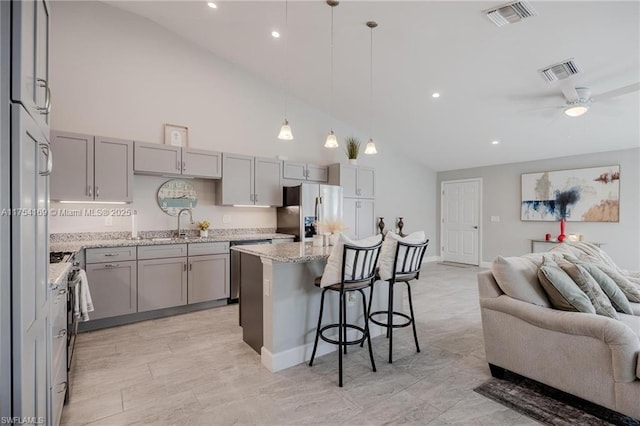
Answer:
(563, 292)
(631, 290)
(388, 251)
(608, 285)
(518, 278)
(333, 269)
(590, 287)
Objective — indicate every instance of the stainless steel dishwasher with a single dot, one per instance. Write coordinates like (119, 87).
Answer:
(234, 291)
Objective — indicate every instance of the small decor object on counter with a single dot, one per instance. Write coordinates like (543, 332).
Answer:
(400, 226)
(176, 135)
(204, 228)
(352, 149)
(134, 226)
(176, 194)
(547, 237)
(562, 235)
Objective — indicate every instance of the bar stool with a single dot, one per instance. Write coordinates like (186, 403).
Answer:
(358, 273)
(406, 267)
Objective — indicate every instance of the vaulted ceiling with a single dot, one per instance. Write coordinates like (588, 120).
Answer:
(487, 75)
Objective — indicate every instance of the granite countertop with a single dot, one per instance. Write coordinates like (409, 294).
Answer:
(74, 246)
(287, 252)
(58, 272)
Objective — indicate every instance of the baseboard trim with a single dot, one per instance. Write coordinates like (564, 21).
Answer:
(485, 264)
(431, 259)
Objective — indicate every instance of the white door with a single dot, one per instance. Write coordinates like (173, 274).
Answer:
(460, 222)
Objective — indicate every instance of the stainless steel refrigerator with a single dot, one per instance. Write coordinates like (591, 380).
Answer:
(307, 204)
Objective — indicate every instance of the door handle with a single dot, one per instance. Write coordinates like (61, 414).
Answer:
(46, 109)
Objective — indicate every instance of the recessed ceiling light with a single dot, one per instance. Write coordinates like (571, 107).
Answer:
(435, 95)
(495, 142)
(212, 5)
(275, 34)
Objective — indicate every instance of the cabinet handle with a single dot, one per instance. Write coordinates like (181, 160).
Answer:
(184, 266)
(97, 191)
(89, 191)
(184, 166)
(46, 109)
(111, 254)
(110, 265)
(190, 266)
(255, 198)
(177, 165)
(61, 333)
(46, 150)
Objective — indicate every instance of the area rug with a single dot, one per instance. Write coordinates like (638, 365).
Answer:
(547, 405)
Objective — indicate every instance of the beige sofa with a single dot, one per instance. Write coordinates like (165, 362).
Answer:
(591, 356)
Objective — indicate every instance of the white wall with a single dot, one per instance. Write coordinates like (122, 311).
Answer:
(119, 75)
(511, 236)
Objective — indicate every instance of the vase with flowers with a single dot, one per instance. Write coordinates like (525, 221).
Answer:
(204, 228)
(331, 227)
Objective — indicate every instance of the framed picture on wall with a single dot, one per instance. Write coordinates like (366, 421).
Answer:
(578, 195)
(176, 135)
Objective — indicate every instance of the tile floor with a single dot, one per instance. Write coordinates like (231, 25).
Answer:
(194, 369)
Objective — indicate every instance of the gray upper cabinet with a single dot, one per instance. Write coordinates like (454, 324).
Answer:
(250, 181)
(30, 59)
(77, 175)
(153, 158)
(356, 181)
(268, 182)
(304, 171)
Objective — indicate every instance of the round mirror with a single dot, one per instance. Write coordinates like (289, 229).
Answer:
(176, 194)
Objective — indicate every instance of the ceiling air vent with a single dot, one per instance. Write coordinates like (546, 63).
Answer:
(510, 13)
(559, 71)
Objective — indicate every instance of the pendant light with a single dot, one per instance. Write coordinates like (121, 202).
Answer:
(371, 147)
(332, 141)
(285, 131)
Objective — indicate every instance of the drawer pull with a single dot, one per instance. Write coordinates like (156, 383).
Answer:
(61, 333)
(111, 254)
(110, 265)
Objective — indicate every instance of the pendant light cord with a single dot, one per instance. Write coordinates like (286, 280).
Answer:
(371, 82)
(331, 78)
(286, 55)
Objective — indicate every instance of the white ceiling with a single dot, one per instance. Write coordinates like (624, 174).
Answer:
(487, 75)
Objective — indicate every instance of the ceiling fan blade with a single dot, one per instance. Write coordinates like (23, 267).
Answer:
(617, 92)
(570, 93)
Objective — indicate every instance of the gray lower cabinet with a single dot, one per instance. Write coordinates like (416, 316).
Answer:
(208, 278)
(113, 288)
(162, 283)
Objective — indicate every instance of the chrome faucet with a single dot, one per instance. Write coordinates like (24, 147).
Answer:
(181, 233)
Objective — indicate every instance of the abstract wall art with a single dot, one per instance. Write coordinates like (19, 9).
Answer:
(578, 195)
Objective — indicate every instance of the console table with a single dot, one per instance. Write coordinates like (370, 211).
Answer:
(541, 246)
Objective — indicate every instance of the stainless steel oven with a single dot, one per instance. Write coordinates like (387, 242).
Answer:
(234, 291)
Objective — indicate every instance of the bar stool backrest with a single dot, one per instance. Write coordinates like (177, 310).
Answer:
(359, 263)
(408, 260)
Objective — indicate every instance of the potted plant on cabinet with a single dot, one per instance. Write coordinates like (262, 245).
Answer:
(204, 228)
(352, 148)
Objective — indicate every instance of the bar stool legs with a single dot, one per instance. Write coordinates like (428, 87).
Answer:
(342, 327)
(389, 325)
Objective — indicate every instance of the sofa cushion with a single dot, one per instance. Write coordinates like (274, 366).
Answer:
(590, 287)
(333, 269)
(388, 251)
(635, 308)
(518, 278)
(631, 321)
(563, 292)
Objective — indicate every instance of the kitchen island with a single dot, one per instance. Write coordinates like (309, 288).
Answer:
(279, 303)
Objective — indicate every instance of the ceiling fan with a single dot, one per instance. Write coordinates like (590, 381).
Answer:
(578, 100)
